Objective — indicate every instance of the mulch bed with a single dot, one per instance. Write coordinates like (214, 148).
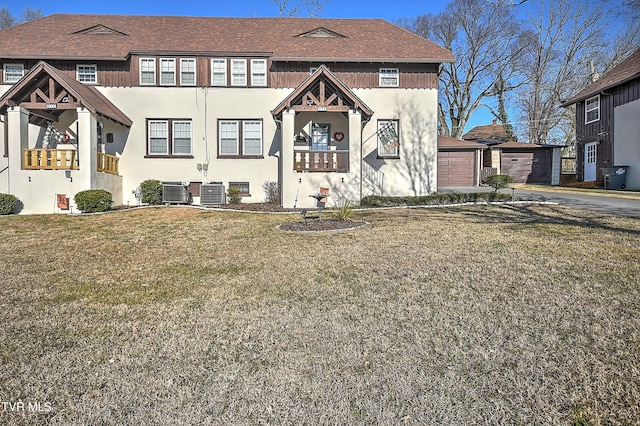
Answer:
(315, 225)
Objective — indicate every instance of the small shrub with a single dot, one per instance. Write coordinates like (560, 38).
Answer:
(343, 209)
(497, 181)
(151, 191)
(7, 203)
(271, 192)
(234, 195)
(93, 200)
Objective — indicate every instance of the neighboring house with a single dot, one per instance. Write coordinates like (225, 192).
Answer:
(487, 131)
(459, 162)
(108, 101)
(608, 123)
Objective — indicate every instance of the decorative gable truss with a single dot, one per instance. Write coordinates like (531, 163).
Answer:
(322, 91)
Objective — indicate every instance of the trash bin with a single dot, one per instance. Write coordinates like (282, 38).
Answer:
(615, 177)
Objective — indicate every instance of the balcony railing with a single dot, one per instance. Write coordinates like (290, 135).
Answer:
(321, 161)
(50, 159)
(65, 159)
(108, 163)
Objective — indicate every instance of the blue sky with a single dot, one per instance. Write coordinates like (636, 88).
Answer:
(390, 9)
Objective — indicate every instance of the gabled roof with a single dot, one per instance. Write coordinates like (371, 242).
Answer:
(323, 91)
(74, 37)
(445, 142)
(42, 76)
(489, 131)
(497, 143)
(626, 70)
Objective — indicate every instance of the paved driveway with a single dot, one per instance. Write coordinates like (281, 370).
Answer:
(597, 203)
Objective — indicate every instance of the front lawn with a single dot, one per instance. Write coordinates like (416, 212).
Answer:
(461, 315)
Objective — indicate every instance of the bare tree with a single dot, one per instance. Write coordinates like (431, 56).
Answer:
(29, 14)
(6, 18)
(564, 35)
(290, 8)
(484, 39)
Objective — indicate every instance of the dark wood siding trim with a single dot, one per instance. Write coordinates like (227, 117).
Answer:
(356, 75)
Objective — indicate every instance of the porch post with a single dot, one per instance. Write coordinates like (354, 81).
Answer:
(289, 176)
(87, 148)
(18, 129)
(355, 150)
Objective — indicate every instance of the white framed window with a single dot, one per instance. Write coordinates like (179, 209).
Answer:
(238, 72)
(188, 72)
(258, 72)
(87, 74)
(388, 139)
(167, 137)
(240, 138)
(252, 137)
(158, 140)
(181, 137)
(167, 71)
(592, 109)
(228, 144)
(218, 72)
(13, 72)
(147, 71)
(389, 77)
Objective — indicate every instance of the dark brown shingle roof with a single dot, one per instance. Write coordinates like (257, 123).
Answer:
(621, 73)
(445, 142)
(76, 37)
(489, 131)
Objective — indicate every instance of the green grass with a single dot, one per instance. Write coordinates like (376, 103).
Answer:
(468, 315)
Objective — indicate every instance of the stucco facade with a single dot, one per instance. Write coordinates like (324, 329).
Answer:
(119, 121)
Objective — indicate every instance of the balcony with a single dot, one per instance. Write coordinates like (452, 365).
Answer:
(50, 159)
(321, 161)
(65, 159)
(108, 163)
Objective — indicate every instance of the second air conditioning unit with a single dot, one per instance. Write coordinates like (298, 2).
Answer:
(212, 194)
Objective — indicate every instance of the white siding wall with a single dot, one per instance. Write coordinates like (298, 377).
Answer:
(627, 141)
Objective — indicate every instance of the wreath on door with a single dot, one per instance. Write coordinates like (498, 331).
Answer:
(338, 136)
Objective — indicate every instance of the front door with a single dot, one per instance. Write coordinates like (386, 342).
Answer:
(590, 158)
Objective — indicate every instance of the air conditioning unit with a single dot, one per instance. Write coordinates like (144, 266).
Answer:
(212, 194)
(175, 193)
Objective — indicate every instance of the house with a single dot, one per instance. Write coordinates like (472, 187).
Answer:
(524, 162)
(108, 101)
(459, 162)
(608, 124)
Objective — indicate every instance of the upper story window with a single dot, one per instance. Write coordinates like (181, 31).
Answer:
(218, 72)
(238, 72)
(389, 77)
(187, 72)
(13, 72)
(87, 74)
(592, 109)
(147, 71)
(167, 71)
(169, 137)
(240, 138)
(258, 72)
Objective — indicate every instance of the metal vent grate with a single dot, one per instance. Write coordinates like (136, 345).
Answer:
(212, 194)
(175, 194)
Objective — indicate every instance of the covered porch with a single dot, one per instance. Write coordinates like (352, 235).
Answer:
(321, 132)
(55, 141)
